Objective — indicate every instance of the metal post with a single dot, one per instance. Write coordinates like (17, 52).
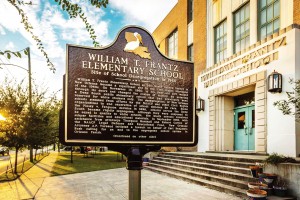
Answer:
(134, 166)
(29, 97)
(71, 154)
(29, 79)
(134, 184)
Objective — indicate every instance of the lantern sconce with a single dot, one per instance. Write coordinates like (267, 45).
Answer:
(200, 104)
(275, 82)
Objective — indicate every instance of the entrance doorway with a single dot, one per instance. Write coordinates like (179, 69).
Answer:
(244, 123)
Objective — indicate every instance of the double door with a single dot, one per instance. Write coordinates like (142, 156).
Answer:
(244, 128)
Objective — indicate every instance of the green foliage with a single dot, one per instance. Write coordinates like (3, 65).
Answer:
(34, 126)
(8, 53)
(275, 159)
(28, 27)
(13, 105)
(73, 10)
(291, 106)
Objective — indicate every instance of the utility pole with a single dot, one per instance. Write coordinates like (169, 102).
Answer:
(29, 79)
(30, 97)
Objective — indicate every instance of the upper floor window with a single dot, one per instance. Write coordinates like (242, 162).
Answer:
(269, 17)
(220, 41)
(190, 53)
(242, 28)
(190, 10)
(172, 45)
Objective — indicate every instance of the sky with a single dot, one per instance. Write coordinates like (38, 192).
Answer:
(56, 29)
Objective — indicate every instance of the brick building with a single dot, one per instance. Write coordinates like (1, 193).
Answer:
(235, 46)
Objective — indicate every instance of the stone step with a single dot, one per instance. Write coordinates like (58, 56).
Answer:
(227, 157)
(192, 170)
(210, 160)
(239, 153)
(206, 165)
(210, 184)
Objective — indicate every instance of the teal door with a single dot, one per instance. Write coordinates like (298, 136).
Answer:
(244, 128)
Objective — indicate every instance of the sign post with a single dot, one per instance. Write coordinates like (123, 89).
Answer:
(129, 97)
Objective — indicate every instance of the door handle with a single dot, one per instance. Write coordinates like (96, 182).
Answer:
(250, 131)
(245, 128)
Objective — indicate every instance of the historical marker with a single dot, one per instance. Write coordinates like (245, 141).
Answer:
(128, 93)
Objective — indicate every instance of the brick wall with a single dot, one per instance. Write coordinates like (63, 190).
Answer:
(177, 18)
(296, 12)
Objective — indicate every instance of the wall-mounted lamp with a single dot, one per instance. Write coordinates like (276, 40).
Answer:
(200, 104)
(275, 82)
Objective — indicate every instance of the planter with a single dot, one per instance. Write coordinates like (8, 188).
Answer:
(257, 194)
(269, 191)
(269, 181)
(257, 186)
(280, 191)
(267, 178)
(254, 170)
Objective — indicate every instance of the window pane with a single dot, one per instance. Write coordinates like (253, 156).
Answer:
(247, 41)
(263, 16)
(237, 34)
(276, 25)
(247, 10)
(241, 120)
(242, 44)
(269, 29)
(270, 13)
(269, 17)
(263, 32)
(237, 18)
(237, 47)
(220, 41)
(253, 118)
(242, 14)
(172, 45)
(221, 31)
(262, 3)
(276, 9)
(242, 30)
(247, 28)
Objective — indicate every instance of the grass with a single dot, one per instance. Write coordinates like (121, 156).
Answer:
(81, 163)
(9, 176)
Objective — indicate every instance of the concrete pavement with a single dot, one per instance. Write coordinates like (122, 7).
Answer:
(36, 183)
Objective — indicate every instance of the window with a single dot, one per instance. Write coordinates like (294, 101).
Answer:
(191, 53)
(269, 17)
(190, 10)
(173, 44)
(220, 42)
(242, 28)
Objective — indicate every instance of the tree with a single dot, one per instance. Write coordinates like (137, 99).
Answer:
(35, 127)
(43, 120)
(13, 105)
(291, 106)
(73, 10)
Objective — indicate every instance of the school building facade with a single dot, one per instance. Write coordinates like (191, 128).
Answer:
(236, 46)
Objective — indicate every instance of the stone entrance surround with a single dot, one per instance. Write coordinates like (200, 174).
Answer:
(221, 105)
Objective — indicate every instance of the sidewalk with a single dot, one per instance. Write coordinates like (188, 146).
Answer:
(27, 185)
(100, 185)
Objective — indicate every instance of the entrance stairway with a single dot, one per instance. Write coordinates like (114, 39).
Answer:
(224, 172)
